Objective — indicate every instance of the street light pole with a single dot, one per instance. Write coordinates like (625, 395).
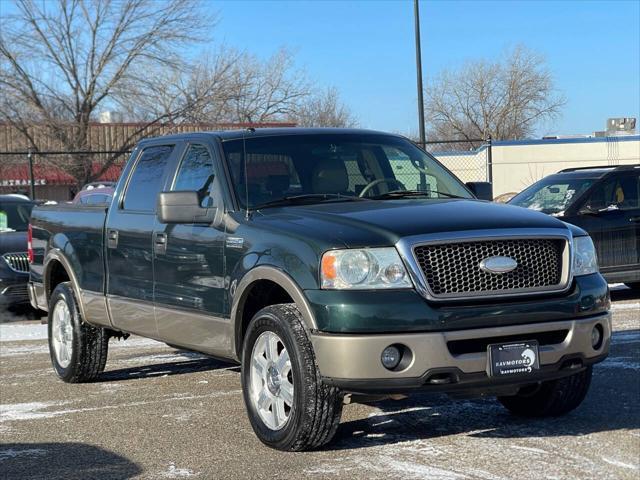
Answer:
(416, 14)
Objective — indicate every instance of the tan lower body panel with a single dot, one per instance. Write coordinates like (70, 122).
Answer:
(357, 357)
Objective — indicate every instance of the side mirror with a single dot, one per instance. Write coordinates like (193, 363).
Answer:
(482, 190)
(183, 207)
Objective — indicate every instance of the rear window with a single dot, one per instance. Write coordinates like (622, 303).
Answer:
(147, 179)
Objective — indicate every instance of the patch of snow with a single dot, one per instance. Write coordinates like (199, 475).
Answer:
(530, 449)
(626, 306)
(27, 452)
(175, 472)
(621, 464)
(22, 331)
(28, 411)
(16, 350)
(32, 411)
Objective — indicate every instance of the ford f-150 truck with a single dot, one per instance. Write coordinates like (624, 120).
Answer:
(299, 254)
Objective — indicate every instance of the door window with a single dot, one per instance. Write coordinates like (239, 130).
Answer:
(147, 179)
(617, 193)
(196, 173)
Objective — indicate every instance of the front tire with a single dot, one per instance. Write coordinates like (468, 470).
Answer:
(288, 405)
(78, 350)
(552, 398)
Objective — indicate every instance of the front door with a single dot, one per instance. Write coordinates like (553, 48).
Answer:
(613, 221)
(129, 234)
(189, 265)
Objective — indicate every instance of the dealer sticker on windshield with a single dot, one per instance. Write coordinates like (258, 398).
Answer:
(512, 358)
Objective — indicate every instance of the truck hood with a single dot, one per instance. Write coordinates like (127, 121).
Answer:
(383, 223)
(13, 242)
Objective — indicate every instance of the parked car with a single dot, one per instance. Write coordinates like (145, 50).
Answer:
(604, 201)
(298, 254)
(96, 193)
(14, 263)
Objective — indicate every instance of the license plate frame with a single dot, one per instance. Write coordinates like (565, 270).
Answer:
(513, 358)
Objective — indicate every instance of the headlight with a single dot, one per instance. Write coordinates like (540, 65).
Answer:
(363, 269)
(584, 256)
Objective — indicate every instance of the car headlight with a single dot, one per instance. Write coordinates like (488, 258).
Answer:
(363, 269)
(585, 260)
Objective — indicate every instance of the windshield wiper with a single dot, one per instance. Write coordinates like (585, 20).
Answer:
(413, 193)
(319, 197)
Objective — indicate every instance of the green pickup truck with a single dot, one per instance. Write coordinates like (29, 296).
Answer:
(300, 255)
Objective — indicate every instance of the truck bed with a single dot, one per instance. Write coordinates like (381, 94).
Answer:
(78, 232)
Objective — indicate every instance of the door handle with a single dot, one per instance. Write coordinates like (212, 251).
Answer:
(160, 243)
(635, 219)
(112, 239)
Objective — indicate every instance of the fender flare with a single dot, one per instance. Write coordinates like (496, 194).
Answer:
(240, 294)
(57, 255)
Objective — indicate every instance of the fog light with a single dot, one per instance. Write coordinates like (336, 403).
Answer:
(390, 357)
(596, 337)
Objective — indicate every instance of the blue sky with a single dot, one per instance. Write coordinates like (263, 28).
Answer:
(366, 49)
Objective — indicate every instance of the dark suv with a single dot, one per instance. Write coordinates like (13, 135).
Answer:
(605, 201)
(15, 211)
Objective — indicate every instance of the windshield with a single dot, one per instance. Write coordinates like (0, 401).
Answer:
(14, 216)
(552, 195)
(334, 166)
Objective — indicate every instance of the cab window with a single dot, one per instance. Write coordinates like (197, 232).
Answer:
(196, 173)
(147, 179)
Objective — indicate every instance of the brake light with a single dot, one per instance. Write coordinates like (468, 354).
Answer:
(30, 244)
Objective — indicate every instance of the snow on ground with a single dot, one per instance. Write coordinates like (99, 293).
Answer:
(22, 331)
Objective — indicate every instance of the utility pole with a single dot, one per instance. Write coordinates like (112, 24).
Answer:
(416, 15)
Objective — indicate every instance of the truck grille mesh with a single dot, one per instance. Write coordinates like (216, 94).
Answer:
(453, 270)
(18, 262)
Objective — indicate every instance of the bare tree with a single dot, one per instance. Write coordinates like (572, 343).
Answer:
(506, 99)
(324, 110)
(62, 61)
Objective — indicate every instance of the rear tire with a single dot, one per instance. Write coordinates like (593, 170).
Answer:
(78, 350)
(552, 398)
(280, 376)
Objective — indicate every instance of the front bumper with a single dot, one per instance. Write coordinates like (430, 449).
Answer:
(352, 362)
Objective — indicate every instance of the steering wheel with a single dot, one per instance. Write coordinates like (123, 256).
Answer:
(372, 184)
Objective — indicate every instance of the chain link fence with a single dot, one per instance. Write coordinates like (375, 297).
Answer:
(469, 160)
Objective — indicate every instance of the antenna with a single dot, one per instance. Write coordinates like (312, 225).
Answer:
(246, 176)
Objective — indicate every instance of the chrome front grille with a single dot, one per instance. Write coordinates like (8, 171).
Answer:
(452, 270)
(18, 262)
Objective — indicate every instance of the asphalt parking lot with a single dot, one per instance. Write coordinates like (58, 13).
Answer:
(160, 413)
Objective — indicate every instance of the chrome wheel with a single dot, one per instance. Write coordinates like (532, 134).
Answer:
(271, 380)
(62, 333)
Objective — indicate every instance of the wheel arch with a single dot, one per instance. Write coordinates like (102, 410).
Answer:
(264, 277)
(58, 269)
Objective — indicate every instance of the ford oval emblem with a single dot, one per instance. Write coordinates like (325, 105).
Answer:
(498, 265)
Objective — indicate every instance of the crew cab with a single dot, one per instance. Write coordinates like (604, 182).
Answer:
(299, 254)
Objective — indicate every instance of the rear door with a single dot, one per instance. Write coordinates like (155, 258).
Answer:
(129, 234)
(189, 263)
(613, 221)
